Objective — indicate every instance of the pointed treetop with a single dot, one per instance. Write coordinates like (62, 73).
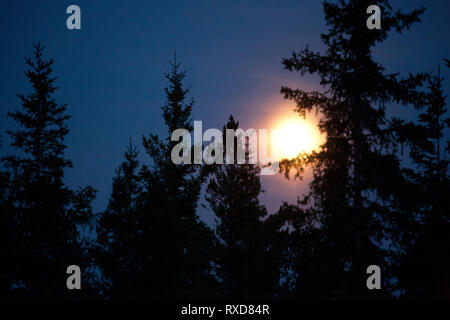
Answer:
(232, 124)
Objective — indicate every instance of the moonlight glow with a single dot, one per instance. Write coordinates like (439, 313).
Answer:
(296, 135)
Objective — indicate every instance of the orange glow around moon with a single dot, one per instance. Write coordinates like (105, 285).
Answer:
(296, 135)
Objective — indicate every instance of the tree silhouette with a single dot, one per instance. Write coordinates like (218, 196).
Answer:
(424, 269)
(357, 170)
(41, 213)
(248, 256)
(118, 230)
(180, 263)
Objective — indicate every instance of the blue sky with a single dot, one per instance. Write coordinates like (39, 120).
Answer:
(111, 71)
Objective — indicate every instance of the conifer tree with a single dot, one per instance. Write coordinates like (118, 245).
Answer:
(42, 214)
(118, 230)
(248, 255)
(425, 264)
(357, 170)
(177, 243)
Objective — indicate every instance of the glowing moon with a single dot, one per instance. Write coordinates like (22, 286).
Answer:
(294, 136)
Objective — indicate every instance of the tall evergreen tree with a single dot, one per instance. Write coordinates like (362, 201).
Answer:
(118, 230)
(42, 214)
(248, 254)
(357, 170)
(177, 244)
(425, 264)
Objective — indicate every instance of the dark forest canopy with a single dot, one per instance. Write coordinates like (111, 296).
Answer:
(379, 193)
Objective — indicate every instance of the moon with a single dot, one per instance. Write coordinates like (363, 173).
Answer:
(296, 135)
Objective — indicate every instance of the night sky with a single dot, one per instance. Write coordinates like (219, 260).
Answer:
(111, 71)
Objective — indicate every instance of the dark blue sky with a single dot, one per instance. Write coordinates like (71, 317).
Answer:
(111, 71)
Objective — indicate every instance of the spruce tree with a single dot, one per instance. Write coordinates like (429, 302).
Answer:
(357, 170)
(43, 215)
(248, 254)
(118, 230)
(177, 243)
(425, 263)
